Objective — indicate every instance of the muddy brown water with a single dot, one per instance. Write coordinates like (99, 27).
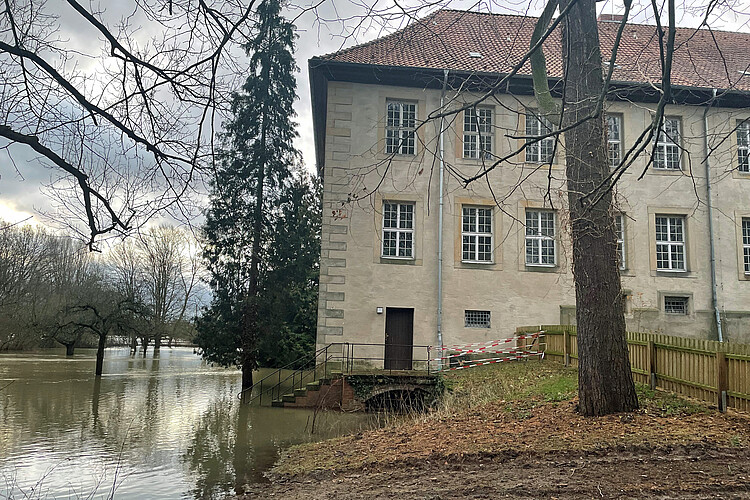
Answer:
(162, 427)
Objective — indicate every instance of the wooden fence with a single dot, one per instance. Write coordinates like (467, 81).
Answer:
(716, 372)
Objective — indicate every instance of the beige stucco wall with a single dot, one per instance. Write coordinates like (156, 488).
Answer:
(358, 176)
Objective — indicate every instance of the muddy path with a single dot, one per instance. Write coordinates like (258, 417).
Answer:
(695, 471)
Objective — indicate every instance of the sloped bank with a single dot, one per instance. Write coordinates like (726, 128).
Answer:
(513, 430)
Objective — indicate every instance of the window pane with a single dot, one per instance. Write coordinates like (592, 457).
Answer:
(661, 229)
(532, 251)
(613, 127)
(470, 120)
(485, 220)
(548, 251)
(409, 115)
(467, 251)
(407, 217)
(389, 243)
(404, 245)
(678, 257)
(532, 223)
(547, 223)
(662, 256)
(470, 146)
(746, 231)
(394, 115)
(675, 229)
(389, 215)
(468, 219)
(484, 248)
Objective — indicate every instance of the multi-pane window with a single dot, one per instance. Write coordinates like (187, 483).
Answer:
(401, 121)
(746, 243)
(540, 238)
(476, 319)
(476, 234)
(620, 233)
(743, 146)
(614, 139)
(398, 229)
(670, 243)
(667, 155)
(478, 133)
(675, 305)
(540, 151)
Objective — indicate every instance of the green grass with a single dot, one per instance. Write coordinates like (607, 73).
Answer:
(667, 404)
(527, 384)
(514, 382)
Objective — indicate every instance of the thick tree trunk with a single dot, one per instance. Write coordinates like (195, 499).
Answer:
(605, 382)
(70, 348)
(100, 354)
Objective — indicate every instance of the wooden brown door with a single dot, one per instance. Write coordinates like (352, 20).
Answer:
(399, 338)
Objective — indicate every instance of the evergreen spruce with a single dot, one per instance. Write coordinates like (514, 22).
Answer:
(255, 163)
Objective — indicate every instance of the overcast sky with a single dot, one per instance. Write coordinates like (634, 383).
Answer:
(326, 30)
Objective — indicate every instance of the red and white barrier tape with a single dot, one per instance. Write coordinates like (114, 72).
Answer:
(489, 361)
(482, 346)
(512, 350)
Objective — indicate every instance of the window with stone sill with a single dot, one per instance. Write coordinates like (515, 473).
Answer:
(401, 122)
(398, 230)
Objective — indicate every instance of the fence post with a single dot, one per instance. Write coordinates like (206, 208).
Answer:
(652, 364)
(722, 382)
(566, 347)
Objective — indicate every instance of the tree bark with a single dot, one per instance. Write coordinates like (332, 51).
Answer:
(605, 382)
(100, 354)
(70, 348)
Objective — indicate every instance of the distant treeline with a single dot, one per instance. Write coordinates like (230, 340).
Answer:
(53, 291)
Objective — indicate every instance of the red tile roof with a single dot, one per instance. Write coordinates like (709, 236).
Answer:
(446, 38)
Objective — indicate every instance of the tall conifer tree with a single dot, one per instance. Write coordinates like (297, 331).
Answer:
(256, 159)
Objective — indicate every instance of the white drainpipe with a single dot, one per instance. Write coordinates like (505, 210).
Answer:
(440, 223)
(714, 294)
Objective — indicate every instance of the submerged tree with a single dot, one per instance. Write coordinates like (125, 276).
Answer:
(291, 280)
(256, 159)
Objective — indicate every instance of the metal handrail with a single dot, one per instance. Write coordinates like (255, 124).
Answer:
(304, 359)
(346, 357)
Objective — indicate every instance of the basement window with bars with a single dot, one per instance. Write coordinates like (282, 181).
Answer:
(676, 305)
(476, 319)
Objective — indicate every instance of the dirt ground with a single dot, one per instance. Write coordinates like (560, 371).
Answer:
(525, 439)
(689, 472)
(540, 450)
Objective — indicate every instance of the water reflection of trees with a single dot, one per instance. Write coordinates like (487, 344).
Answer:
(210, 453)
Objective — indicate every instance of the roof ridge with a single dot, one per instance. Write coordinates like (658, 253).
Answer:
(421, 20)
(495, 14)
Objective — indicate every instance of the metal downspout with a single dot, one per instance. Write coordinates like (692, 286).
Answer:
(714, 294)
(440, 223)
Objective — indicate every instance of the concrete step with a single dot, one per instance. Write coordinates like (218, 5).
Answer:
(300, 393)
(313, 386)
(277, 403)
(289, 398)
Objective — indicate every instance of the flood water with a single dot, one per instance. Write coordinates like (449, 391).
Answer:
(163, 428)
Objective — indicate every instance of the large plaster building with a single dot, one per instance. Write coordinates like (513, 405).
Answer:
(425, 261)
